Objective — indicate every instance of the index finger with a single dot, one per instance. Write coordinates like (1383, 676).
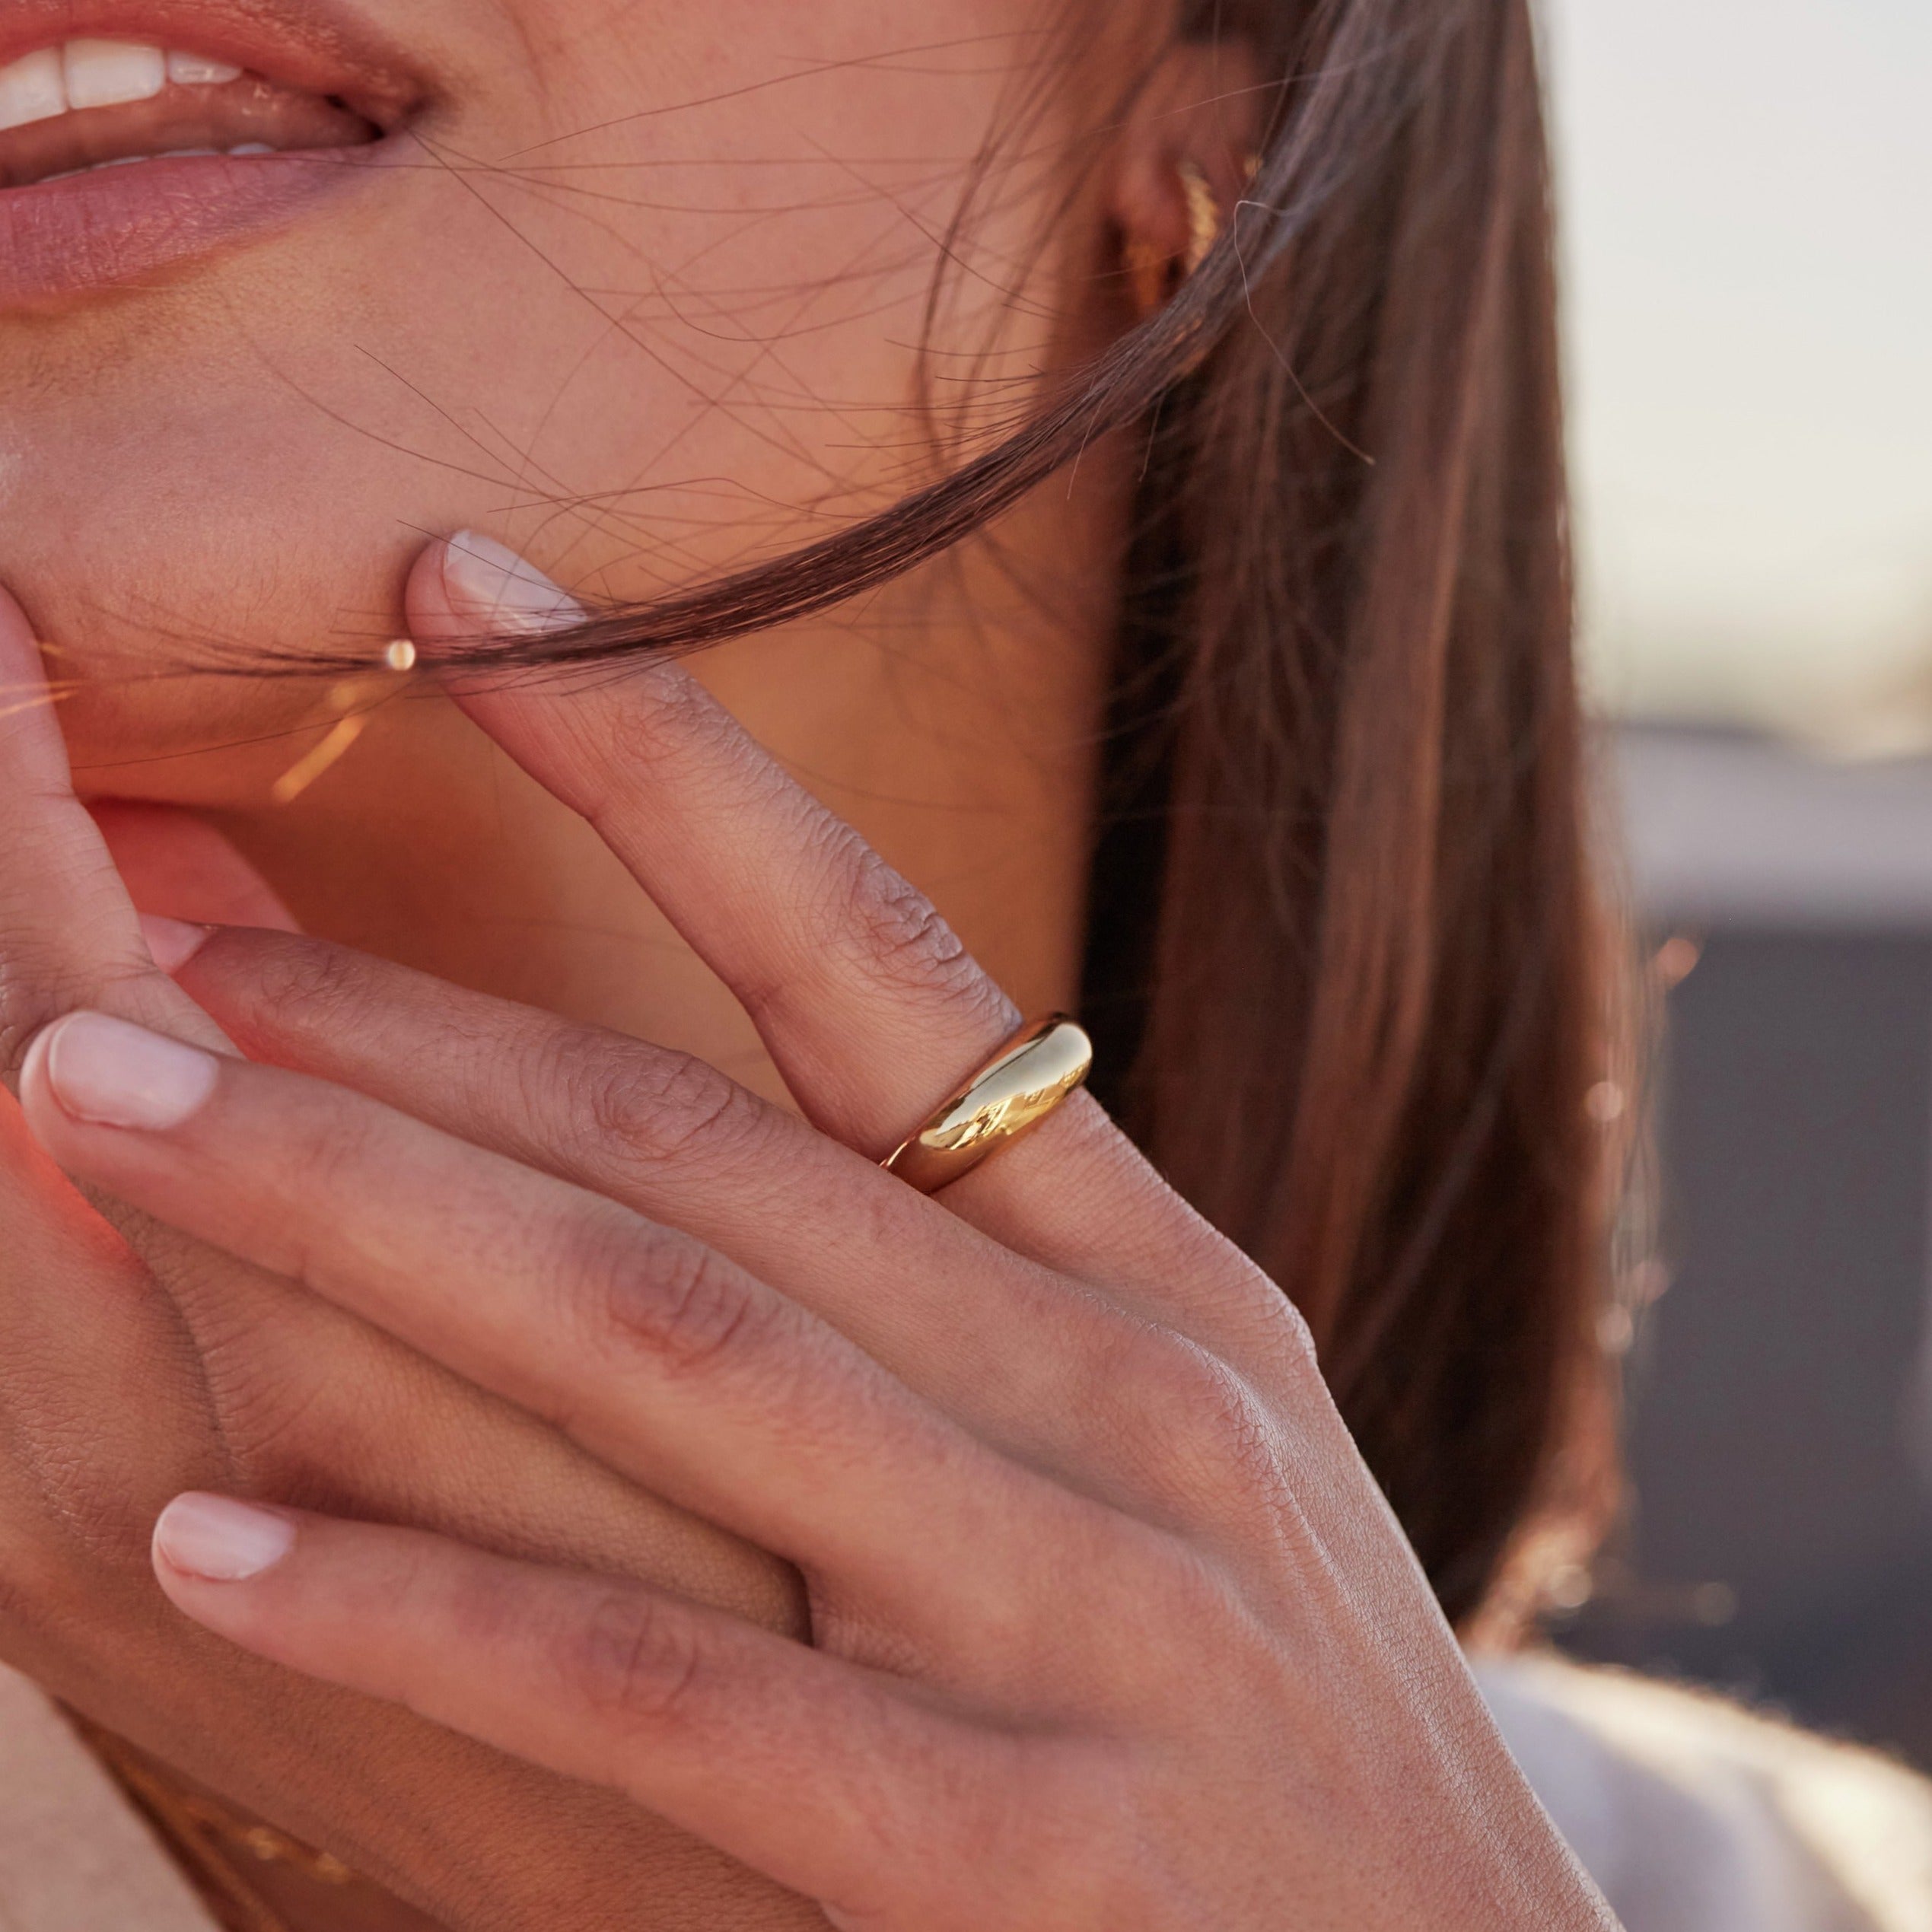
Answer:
(69, 934)
(872, 1009)
(869, 1005)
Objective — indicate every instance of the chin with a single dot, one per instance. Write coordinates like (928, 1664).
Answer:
(214, 743)
(177, 622)
(184, 555)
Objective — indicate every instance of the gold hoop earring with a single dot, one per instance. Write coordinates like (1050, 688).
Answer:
(351, 701)
(1204, 216)
(1154, 275)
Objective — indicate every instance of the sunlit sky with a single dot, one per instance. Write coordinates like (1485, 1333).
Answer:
(1748, 187)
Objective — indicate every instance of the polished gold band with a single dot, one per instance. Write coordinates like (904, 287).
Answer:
(1014, 1090)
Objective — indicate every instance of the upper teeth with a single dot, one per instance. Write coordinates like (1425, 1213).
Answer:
(98, 74)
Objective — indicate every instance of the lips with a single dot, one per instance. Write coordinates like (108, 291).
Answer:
(120, 121)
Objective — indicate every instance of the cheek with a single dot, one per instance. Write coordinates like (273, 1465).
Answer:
(651, 306)
(748, 202)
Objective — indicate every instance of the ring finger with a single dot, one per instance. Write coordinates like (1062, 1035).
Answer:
(868, 1003)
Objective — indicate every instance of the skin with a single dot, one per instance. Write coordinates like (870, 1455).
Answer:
(737, 1308)
(344, 384)
(425, 358)
(642, 350)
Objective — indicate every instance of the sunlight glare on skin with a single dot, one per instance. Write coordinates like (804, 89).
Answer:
(44, 693)
(351, 697)
(43, 700)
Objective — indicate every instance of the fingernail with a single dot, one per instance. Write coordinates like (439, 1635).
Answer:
(103, 1069)
(172, 943)
(216, 1538)
(500, 591)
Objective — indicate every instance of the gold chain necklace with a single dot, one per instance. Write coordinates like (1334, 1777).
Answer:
(205, 1836)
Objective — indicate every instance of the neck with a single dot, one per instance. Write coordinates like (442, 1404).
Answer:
(960, 745)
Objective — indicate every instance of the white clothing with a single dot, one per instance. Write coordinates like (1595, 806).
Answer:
(1692, 1815)
(1695, 1814)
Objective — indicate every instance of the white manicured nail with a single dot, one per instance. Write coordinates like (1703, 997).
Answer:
(103, 1069)
(489, 583)
(221, 1540)
(172, 943)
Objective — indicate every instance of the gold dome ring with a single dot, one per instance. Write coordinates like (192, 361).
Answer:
(1013, 1092)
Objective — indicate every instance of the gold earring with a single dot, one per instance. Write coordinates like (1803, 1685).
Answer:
(1204, 216)
(351, 701)
(1154, 276)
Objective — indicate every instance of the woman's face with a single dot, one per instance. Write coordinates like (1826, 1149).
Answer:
(640, 285)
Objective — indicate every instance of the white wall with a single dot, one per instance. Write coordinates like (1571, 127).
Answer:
(1748, 186)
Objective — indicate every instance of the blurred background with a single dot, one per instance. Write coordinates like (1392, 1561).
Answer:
(1748, 192)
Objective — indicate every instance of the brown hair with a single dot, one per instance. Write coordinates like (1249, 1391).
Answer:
(1342, 950)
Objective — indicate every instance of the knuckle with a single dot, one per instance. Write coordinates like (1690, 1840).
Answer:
(678, 736)
(1001, 1795)
(1294, 1340)
(39, 983)
(1273, 1331)
(660, 1294)
(1073, 1822)
(658, 1107)
(29, 999)
(328, 1143)
(1213, 1436)
(636, 1662)
(676, 715)
(1187, 1605)
(898, 931)
(294, 975)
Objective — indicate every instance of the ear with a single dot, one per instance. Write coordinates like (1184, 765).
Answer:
(1193, 130)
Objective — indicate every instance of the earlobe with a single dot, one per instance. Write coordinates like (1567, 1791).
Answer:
(1187, 152)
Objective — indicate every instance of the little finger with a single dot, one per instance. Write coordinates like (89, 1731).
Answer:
(831, 1779)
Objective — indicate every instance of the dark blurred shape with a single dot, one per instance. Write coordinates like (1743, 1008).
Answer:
(1782, 1540)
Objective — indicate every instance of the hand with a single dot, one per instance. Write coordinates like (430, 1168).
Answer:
(134, 1362)
(1110, 1626)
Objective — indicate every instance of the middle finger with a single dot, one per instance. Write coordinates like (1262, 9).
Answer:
(1029, 1359)
(664, 1360)
(871, 1008)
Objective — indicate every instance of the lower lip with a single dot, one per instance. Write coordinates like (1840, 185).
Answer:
(112, 226)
